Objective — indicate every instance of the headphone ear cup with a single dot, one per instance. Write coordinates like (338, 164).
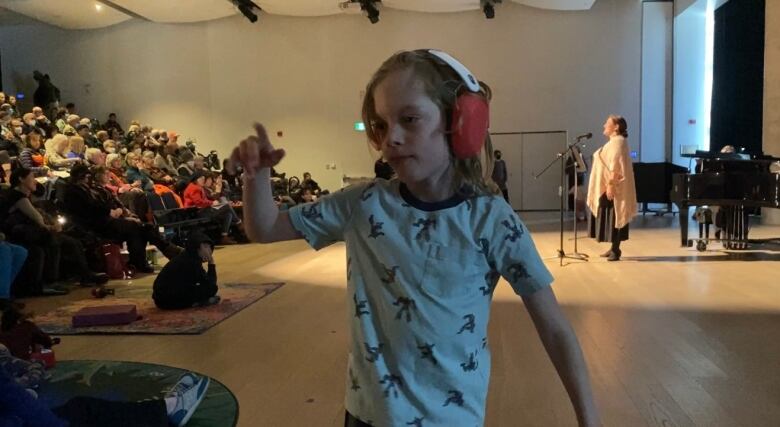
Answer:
(470, 122)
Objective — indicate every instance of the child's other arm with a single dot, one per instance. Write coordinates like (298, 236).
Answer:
(564, 351)
(262, 220)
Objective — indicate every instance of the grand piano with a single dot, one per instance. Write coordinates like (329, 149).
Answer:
(737, 183)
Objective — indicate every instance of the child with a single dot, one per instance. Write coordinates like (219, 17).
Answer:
(424, 251)
(21, 336)
(183, 283)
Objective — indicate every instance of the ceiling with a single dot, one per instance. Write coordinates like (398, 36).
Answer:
(89, 14)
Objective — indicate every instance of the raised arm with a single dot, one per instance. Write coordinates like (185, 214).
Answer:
(262, 220)
(564, 351)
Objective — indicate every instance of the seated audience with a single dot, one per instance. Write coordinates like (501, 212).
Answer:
(70, 125)
(102, 137)
(37, 230)
(117, 135)
(310, 184)
(95, 157)
(9, 140)
(231, 182)
(57, 152)
(130, 194)
(137, 172)
(44, 123)
(164, 159)
(89, 140)
(108, 218)
(158, 175)
(109, 146)
(183, 283)
(75, 148)
(31, 156)
(60, 119)
(186, 161)
(195, 195)
(111, 124)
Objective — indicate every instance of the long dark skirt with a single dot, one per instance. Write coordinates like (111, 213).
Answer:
(602, 227)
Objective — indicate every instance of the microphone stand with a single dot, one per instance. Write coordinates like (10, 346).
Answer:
(562, 158)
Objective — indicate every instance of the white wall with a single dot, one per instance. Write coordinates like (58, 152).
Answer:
(656, 131)
(304, 76)
(772, 92)
(689, 102)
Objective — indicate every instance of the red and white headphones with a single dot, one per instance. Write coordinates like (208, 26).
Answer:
(470, 115)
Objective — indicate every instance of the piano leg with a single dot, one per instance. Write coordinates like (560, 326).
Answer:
(683, 208)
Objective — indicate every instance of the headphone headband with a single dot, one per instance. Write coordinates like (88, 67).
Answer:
(471, 82)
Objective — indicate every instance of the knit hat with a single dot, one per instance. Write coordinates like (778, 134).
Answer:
(195, 239)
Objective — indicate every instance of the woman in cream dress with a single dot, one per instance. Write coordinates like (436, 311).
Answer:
(611, 190)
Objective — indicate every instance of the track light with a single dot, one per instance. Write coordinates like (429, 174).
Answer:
(369, 7)
(488, 8)
(246, 7)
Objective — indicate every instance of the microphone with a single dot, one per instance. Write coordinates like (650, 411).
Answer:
(585, 136)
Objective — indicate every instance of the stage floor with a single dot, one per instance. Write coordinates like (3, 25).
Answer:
(672, 336)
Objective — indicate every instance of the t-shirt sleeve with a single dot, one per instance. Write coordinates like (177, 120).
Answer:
(324, 222)
(513, 254)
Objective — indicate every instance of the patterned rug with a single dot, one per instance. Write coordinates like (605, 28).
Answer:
(132, 382)
(235, 297)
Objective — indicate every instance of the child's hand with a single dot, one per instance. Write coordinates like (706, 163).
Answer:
(255, 153)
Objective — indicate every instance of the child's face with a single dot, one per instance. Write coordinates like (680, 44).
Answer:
(411, 129)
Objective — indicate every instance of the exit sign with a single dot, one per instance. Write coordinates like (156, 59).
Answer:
(360, 126)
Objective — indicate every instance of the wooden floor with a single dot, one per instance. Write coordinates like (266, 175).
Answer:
(672, 337)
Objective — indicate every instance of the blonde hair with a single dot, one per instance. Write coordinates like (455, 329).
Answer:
(111, 158)
(131, 158)
(58, 144)
(443, 85)
(101, 133)
(76, 144)
(91, 152)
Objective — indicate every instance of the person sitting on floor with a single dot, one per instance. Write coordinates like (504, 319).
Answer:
(183, 283)
(21, 336)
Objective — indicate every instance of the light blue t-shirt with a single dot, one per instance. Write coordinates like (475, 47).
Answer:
(420, 281)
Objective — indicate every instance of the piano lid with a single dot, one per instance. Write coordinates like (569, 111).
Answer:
(731, 157)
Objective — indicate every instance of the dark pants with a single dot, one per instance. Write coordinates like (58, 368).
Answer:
(136, 235)
(92, 412)
(224, 215)
(45, 251)
(188, 298)
(30, 279)
(602, 225)
(505, 192)
(51, 256)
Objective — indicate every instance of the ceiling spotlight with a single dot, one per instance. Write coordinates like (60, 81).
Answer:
(98, 7)
(247, 7)
(488, 8)
(369, 8)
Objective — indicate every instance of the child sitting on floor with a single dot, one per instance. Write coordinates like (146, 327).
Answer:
(183, 283)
